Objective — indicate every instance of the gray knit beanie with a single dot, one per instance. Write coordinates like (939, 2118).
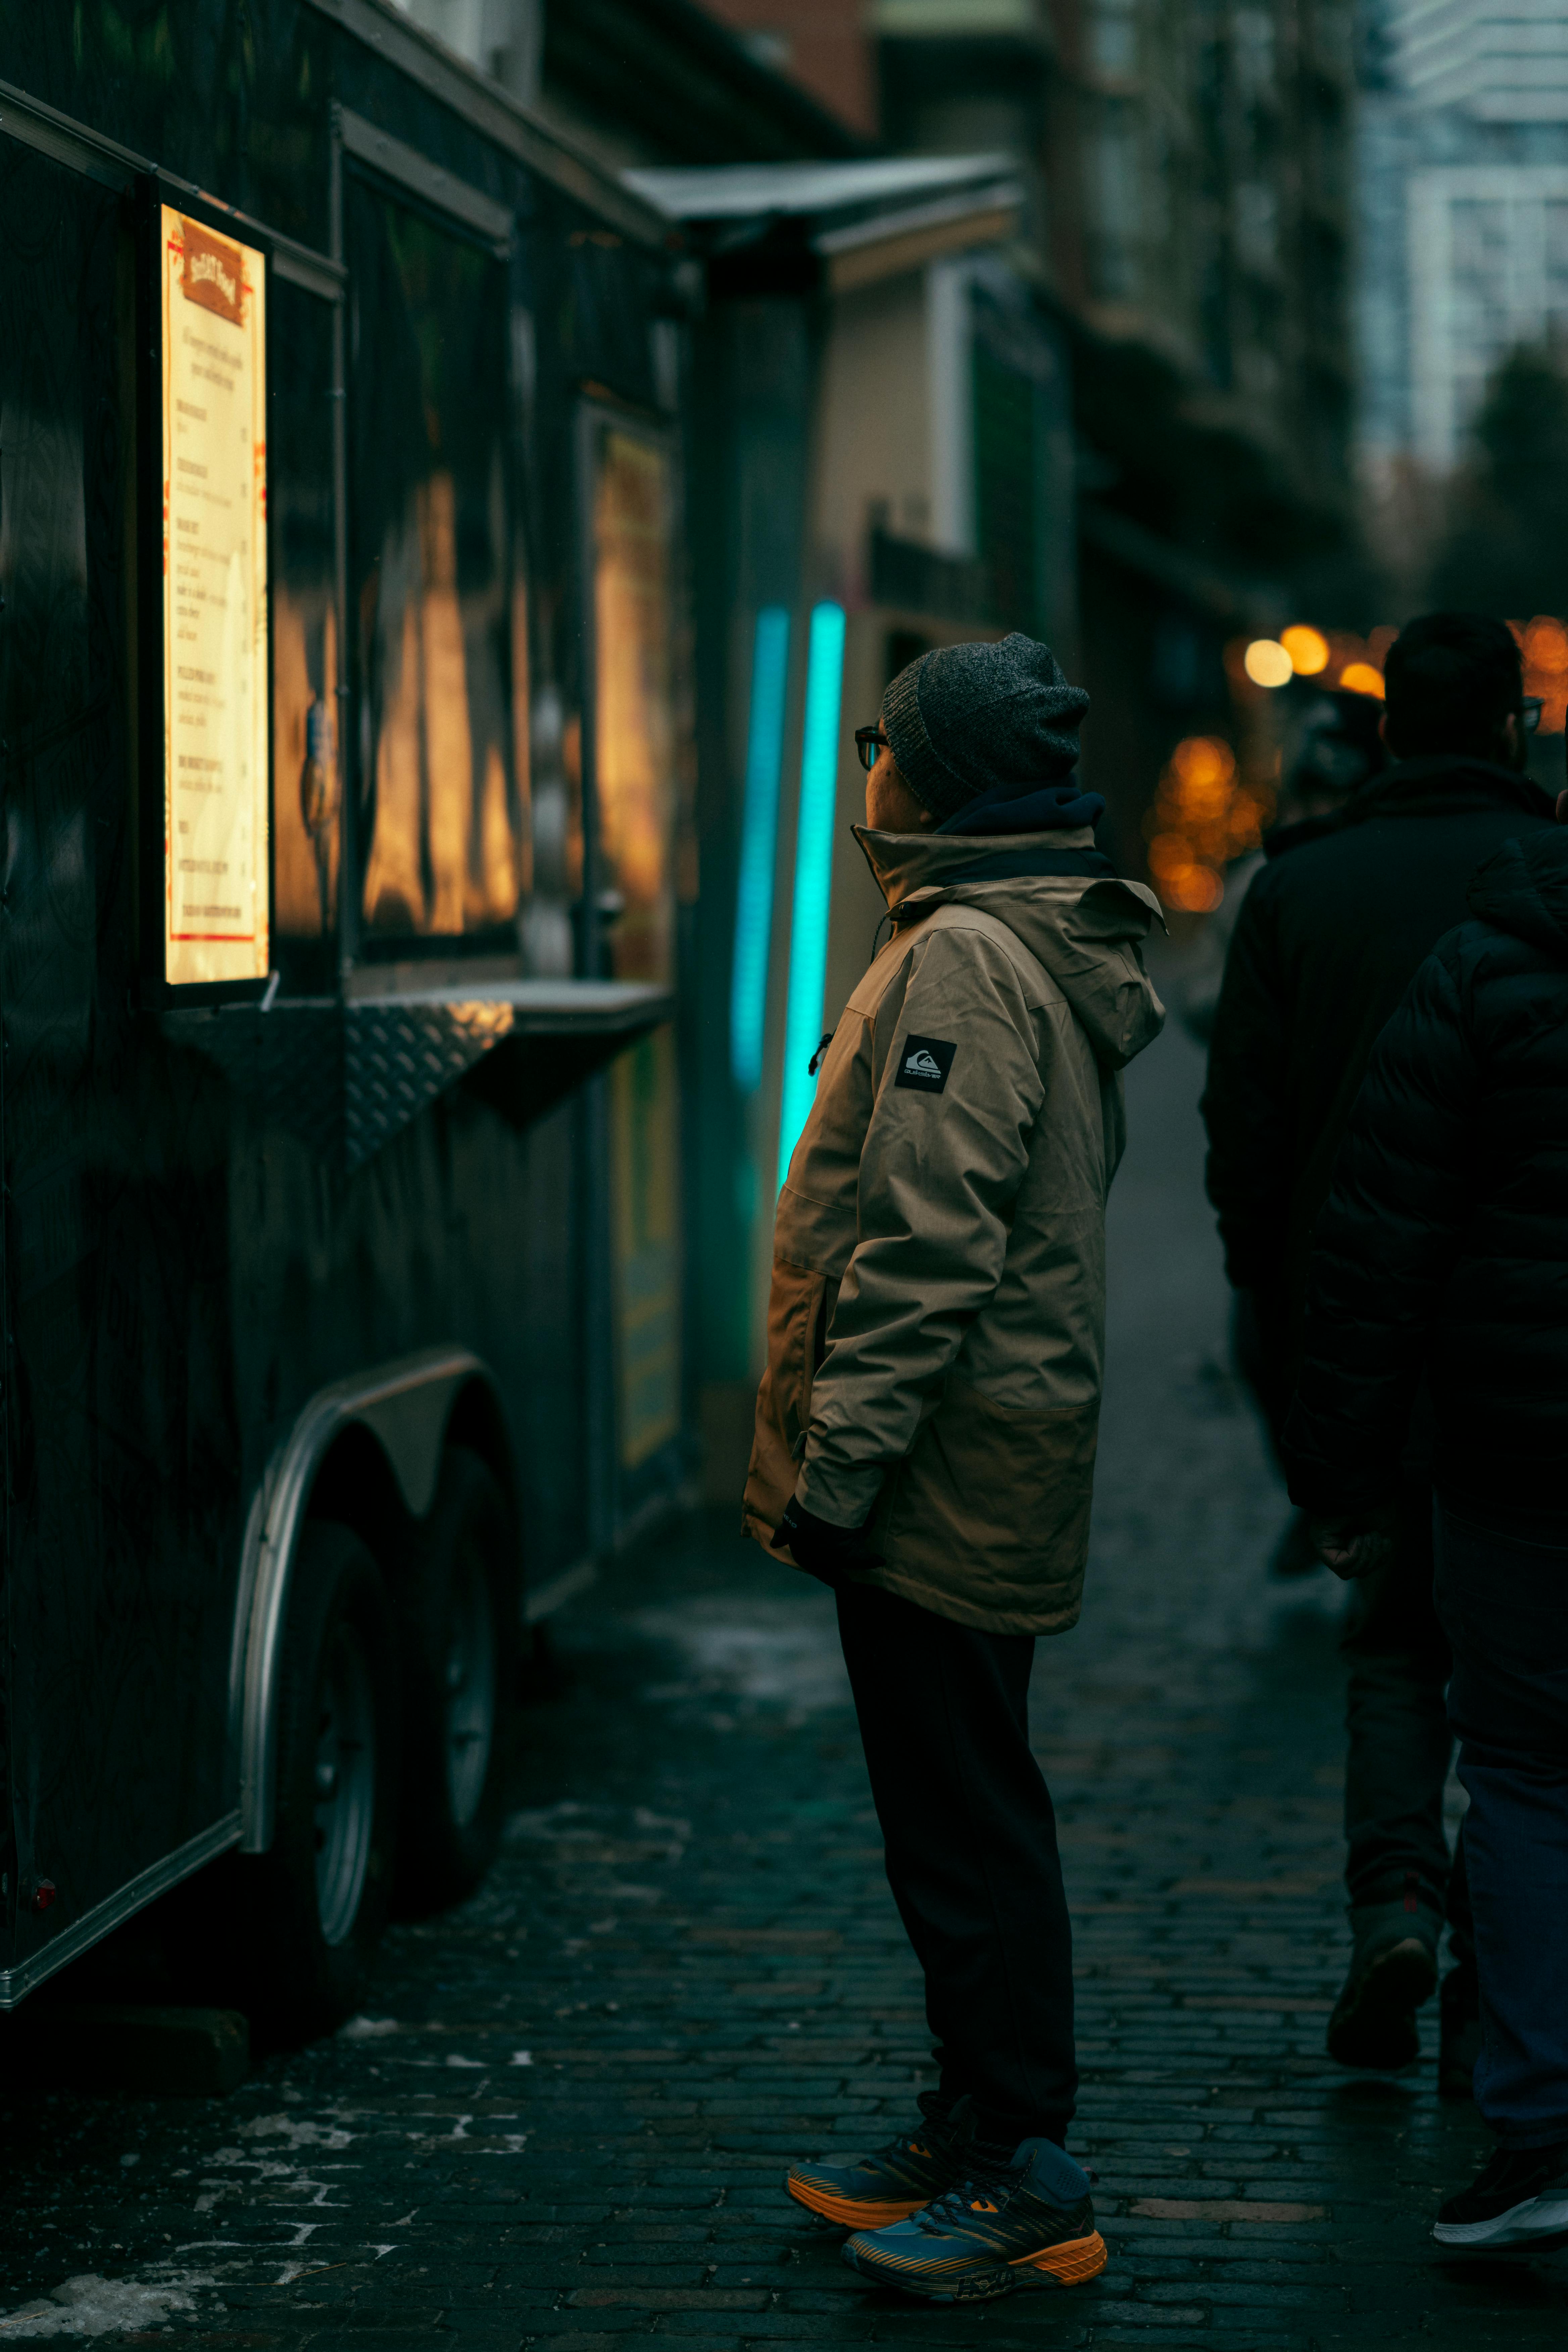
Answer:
(967, 719)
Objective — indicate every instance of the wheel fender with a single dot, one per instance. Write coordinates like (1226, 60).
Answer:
(406, 1406)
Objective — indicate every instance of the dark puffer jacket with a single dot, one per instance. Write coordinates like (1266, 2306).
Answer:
(1445, 1241)
(1328, 938)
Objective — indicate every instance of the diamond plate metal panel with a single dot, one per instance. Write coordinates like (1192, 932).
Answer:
(347, 1075)
(399, 1057)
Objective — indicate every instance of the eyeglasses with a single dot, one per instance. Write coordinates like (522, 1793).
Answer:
(1530, 712)
(871, 743)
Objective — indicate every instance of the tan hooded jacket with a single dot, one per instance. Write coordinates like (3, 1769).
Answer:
(936, 1323)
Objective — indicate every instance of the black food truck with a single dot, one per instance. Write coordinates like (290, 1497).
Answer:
(346, 801)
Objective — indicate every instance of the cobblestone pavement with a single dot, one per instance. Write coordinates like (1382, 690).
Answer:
(565, 2111)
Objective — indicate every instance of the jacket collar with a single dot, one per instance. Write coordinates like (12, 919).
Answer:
(1440, 784)
(904, 863)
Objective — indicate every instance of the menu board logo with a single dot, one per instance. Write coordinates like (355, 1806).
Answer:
(215, 274)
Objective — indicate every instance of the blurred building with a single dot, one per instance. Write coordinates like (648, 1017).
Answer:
(1464, 142)
(819, 43)
(1185, 225)
(645, 81)
(1194, 228)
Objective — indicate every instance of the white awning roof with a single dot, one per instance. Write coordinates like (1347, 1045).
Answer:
(747, 191)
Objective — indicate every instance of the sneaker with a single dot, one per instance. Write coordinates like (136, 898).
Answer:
(899, 2178)
(1024, 2219)
(1459, 2007)
(1392, 1972)
(1520, 2198)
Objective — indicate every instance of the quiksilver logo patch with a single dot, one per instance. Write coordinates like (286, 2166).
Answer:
(925, 1063)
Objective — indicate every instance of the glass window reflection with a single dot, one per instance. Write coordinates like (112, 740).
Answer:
(439, 621)
(634, 729)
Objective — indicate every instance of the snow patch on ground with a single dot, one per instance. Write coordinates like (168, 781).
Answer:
(775, 1651)
(296, 2131)
(90, 2306)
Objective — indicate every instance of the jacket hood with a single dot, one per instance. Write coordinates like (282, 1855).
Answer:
(1523, 888)
(1060, 896)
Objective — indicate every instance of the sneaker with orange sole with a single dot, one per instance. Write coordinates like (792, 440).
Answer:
(899, 2178)
(1024, 2219)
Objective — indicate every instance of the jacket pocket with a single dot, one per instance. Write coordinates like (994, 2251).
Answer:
(800, 1311)
(992, 1510)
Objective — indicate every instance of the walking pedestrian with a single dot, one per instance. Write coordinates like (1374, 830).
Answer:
(1340, 747)
(1442, 1254)
(1328, 939)
(926, 1427)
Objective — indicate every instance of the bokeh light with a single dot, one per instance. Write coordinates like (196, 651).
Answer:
(1361, 677)
(1203, 816)
(1543, 641)
(1266, 662)
(1308, 648)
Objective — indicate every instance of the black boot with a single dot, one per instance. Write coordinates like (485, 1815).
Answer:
(1392, 1972)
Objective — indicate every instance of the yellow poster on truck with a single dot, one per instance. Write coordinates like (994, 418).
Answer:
(216, 908)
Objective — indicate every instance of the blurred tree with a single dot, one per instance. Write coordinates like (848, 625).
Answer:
(1508, 510)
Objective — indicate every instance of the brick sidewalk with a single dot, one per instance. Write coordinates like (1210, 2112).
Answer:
(566, 2111)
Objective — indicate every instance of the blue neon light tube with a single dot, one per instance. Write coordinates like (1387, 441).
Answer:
(813, 873)
(759, 833)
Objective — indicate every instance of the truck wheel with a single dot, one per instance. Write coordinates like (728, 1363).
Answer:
(460, 1671)
(316, 1900)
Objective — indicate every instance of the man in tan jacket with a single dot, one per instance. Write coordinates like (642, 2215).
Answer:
(926, 1427)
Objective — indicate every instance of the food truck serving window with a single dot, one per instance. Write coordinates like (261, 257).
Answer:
(439, 817)
(217, 907)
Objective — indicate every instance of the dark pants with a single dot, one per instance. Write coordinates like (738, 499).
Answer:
(1396, 1720)
(970, 1847)
(1400, 1744)
(1504, 1604)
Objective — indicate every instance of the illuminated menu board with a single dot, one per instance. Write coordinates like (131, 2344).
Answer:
(216, 894)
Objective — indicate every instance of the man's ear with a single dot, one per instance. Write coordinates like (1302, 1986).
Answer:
(1562, 808)
(1383, 732)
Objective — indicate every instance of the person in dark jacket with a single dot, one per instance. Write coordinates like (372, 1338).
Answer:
(1340, 751)
(1328, 938)
(1442, 1254)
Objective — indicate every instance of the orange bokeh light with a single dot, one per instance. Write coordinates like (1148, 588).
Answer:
(1543, 641)
(1196, 889)
(1361, 677)
(1203, 816)
(1308, 648)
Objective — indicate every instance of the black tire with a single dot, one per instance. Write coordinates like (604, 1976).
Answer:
(313, 1907)
(460, 1640)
